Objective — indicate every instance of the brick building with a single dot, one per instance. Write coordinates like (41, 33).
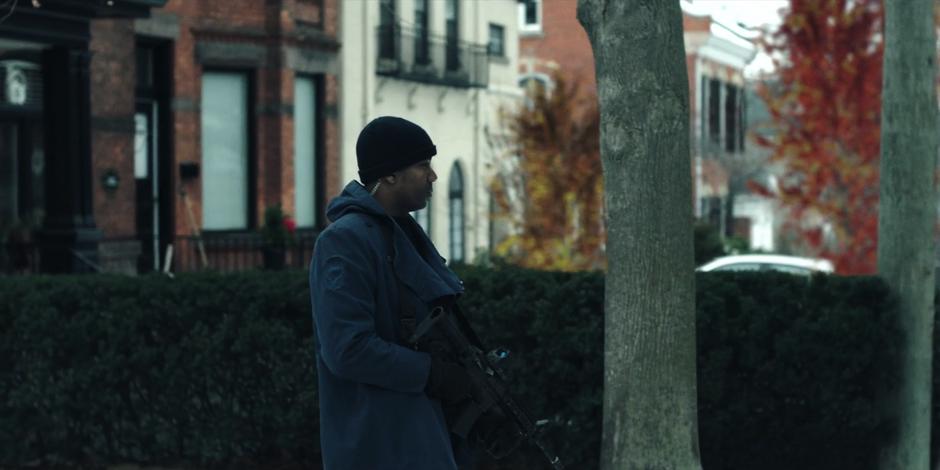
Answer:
(200, 114)
(551, 39)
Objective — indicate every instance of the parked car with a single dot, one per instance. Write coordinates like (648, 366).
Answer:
(782, 263)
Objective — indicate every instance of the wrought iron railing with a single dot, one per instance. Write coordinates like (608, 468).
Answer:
(414, 55)
(225, 252)
(239, 252)
(19, 257)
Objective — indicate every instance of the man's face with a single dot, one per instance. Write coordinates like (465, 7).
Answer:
(414, 185)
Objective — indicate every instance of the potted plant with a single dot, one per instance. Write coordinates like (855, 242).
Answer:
(277, 234)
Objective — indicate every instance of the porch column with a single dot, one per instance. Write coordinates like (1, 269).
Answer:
(68, 238)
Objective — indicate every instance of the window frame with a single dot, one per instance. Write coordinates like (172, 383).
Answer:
(732, 118)
(526, 28)
(529, 91)
(502, 40)
(715, 109)
(319, 147)
(452, 36)
(422, 33)
(388, 30)
(457, 252)
(251, 125)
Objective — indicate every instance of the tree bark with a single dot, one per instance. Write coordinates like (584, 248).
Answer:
(650, 417)
(907, 213)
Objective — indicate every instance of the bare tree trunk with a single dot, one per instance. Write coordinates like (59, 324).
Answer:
(650, 417)
(907, 214)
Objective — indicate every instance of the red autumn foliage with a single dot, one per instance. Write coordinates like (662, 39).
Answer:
(825, 106)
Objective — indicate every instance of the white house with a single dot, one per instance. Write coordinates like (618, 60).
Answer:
(724, 108)
(448, 65)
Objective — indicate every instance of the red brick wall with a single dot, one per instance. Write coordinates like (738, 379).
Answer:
(695, 23)
(262, 24)
(563, 41)
(186, 87)
(332, 169)
(112, 133)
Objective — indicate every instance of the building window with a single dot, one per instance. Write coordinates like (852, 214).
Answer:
(731, 118)
(455, 195)
(452, 34)
(714, 113)
(496, 46)
(734, 118)
(387, 29)
(722, 117)
(305, 152)
(530, 16)
(225, 149)
(423, 218)
(422, 41)
(535, 85)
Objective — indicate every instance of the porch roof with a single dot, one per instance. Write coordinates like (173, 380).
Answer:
(66, 22)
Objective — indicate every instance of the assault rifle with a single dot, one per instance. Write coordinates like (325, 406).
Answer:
(447, 324)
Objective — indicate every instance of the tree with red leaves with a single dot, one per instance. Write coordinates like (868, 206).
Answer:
(825, 108)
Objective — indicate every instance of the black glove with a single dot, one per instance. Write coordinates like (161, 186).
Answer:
(496, 434)
(448, 381)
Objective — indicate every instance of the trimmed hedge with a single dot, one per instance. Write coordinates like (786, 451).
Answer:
(204, 370)
(794, 374)
(217, 371)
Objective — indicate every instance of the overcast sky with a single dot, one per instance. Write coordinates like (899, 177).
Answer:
(749, 12)
(752, 13)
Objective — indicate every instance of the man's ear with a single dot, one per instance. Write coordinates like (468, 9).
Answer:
(389, 180)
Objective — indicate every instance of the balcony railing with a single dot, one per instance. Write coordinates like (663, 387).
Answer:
(411, 55)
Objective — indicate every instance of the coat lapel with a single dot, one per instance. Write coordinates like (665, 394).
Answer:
(428, 279)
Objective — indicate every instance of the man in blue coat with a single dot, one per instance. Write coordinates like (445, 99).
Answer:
(374, 271)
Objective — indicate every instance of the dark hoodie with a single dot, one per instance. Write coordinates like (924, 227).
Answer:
(374, 413)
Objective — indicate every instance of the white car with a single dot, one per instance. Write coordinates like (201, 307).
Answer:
(782, 263)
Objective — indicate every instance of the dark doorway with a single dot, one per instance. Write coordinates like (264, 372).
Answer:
(152, 153)
(22, 162)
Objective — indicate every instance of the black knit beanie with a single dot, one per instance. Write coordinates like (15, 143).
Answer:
(388, 144)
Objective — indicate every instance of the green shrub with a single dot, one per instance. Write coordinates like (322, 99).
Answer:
(794, 374)
(217, 371)
(553, 324)
(204, 370)
(708, 244)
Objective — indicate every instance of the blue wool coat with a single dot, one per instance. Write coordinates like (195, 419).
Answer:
(374, 413)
